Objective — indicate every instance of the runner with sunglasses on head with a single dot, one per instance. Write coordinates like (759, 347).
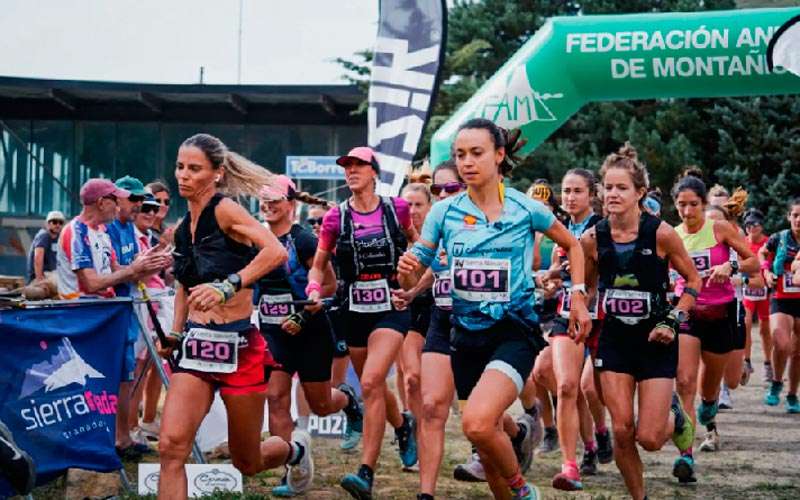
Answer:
(487, 232)
(368, 233)
(756, 300)
(710, 334)
(301, 342)
(628, 254)
(220, 252)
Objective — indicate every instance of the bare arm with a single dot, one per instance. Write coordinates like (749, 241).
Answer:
(93, 282)
(579, 321)
(674, 251)
(589, 245)
(38, 263)
(328, 280)
(181, 311)
(410, 269)
(748, 262)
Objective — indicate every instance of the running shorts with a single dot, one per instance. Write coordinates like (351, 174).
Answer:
(716, 328)
(785, 306)
(626, 349)
(309, 353)
(506, 347)
(420, 310)
(359, 326)
(437, 338)
(340, 349)
(758, 308)
(249, 375)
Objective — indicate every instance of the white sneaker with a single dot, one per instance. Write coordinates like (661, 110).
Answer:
(139, 437)
(711, 442)
(725, 401)
(151, 429)
(300, 476)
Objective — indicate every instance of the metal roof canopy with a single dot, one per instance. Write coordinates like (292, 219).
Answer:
(32, 98)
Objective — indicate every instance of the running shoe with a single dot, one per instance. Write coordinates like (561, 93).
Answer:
(549, 442)
(747, 370)
(406, 437)
(725, 402)
(711, 441)
(526, 492)
(151, 429)
(589, 463)
(683, 469)
(569, 479)
(283, 490)
(706, 412)
(683, 433)
(773, 396)
(350, 438)
(359, 487)
(605, 448)
(537, 429)
(769, 374)
(471, 471)
(16, 465)
(792, 404)
(353, 411)
(523, 445)
(301, 475)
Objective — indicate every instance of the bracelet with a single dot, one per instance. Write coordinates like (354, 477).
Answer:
(691, 291)
(668, 327)
(766, 265)
(313, 286)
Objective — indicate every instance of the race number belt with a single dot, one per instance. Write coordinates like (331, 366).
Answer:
(755, 294)
(274, 309)
(566, 304)
(441, 290)
(789, 285)
(481, 280)
(210, 351)
(628, 306)
(370, 296)
(702, 262)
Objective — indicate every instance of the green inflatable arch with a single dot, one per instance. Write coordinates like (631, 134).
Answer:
(572, 61)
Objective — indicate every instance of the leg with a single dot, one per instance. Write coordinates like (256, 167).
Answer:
(688, 364)
(393, 413)
(619, 389)
(656, 422)
(339, 370)
(596, 407)
(248, 453)
(713, 369)
(567, 357)
(437, 393)
(781, 324)
(748, 328)
(766, 338)
(136, 397)
(411, 353)
(188, 401)
(543, 370)
(152, 393)
(123, 430)
(279, 398)
(733, 368)
(399, 379)
(303, 411)
(324, 399)
(794, 361)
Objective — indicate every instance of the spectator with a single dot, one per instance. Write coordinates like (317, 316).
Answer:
(121, 229)
(314, 219)
(162, 195)
(42, 256)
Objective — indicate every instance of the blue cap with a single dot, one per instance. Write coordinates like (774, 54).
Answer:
(652, 205)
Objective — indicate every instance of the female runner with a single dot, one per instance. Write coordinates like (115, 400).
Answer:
(756, 300)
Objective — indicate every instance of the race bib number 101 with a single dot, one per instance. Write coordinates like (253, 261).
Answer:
(481, 280)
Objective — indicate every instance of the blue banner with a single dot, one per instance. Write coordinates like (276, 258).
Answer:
(313, 167)
(60, 369)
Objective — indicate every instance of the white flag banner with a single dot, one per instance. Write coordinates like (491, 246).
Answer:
(784, 48)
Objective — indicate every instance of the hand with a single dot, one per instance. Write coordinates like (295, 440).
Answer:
(720, 274)
(443, 258)
(737, 280)
(580, 323)
(662, 334)
(408, 263)
(166, 350)
(770, 279)
(293, 324)
(317, 306)
(551, 287)
(401, 299)
(204, 297)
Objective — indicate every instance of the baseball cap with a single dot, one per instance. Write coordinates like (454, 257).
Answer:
(753, 220)
(131, 184)
(652, 204)
(150, 199)
(94, 189)
(361, 153)
(280, 187)
(55, 215)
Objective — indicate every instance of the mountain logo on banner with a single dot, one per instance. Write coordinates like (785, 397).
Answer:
(512, 102)
(64, 368)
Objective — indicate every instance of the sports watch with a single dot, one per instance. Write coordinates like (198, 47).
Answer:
(235, 280)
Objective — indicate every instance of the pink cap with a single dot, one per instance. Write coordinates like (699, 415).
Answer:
(94, 189)
(360, 153)
(279, 188)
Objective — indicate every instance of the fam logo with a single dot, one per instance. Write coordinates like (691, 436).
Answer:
(215, 480)
(511, 102)
(458, 248)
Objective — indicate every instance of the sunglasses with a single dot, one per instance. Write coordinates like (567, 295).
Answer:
(146, 209)
(164, 201)
(314, 221)
(59, 222)
(448, 187)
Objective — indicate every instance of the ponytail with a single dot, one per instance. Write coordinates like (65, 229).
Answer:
(309, 199)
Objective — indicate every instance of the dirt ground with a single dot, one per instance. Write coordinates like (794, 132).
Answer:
(759, 460)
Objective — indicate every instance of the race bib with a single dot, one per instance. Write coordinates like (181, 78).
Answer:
(210, 351)
(789, 286)
(481, 280)
(702, 262)
(441, 290)
(274, 309)
(370, 296)
(628, 306)
(566, 304)
(755, 294)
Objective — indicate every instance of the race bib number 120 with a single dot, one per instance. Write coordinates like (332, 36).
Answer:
(210, 351)
(481, 280)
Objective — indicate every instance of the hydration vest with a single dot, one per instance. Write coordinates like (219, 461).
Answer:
(291, 277)
(213, 255)
(376, 254)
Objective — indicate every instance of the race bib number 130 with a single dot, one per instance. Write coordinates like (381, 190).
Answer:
(370, 296)
(481, 280)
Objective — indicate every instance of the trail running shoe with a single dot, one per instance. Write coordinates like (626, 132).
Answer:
(523, 448)
(16, 465)
(549, 442)
(353, 411)
(406, 437)
(792, 404)
(711, 441)
(471, 471)
(683, 469)
(300, 476)
(706, 412)
(527, 492)
(769, 374)
(589, 463)
(683, 437)
(747, 370)
(568, 479)
(725, 402)
(283, 490)
(605, 448)
(773, 396)
(350, 439)
(358, 487)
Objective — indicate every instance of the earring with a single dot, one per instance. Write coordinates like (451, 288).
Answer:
(216, 179)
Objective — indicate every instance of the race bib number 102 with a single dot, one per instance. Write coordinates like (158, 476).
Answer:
(481, 280)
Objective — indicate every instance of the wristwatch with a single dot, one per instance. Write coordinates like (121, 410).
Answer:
(734, 267)
(678, 315)
(235, 280)
(581, 288)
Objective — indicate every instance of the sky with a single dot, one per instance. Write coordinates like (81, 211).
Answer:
(167, 41)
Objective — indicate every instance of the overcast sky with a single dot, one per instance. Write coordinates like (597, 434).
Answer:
(283, 41)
